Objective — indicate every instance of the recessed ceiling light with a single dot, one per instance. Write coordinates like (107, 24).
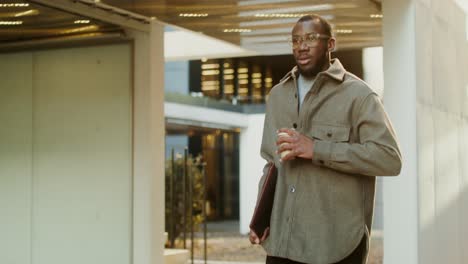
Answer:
(280, 15)
(80, 29)
(236, 30)
(265, 22)
(14, 5)
(10, 23)
(344, 31)
(376, 15)
(193, 14)
(292, 10)
(82, 21)
(31, 12)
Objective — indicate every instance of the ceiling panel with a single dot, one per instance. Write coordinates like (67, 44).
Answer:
(358, 23)
(259, 25)
(25, 21)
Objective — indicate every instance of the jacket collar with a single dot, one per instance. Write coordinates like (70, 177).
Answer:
(336, 71)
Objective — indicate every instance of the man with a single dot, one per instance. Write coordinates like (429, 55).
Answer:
(339, 138)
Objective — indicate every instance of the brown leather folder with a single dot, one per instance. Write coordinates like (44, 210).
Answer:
(262, 214)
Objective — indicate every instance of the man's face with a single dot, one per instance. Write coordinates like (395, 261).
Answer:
(310, 59)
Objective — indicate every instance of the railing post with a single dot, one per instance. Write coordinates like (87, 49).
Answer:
(172, 197)
(184, 228)
(205, 253)
(191, 180)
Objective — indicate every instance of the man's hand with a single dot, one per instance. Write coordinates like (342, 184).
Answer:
(299, 145)
(254, 238)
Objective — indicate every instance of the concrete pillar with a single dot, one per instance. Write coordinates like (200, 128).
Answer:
(425, 62)
(251, 168)
(148, 138)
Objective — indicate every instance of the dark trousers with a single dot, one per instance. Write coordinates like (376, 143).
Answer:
(356, 257)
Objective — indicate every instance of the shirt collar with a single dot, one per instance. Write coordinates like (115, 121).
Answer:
(336, 71)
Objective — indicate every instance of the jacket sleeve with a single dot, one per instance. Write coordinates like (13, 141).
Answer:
(376, 154)
(267, 146)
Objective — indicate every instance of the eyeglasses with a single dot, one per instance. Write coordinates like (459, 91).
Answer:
(311, 40)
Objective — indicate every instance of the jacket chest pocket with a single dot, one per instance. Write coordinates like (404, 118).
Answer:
(335, 133)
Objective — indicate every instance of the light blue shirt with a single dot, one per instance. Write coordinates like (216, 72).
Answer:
(304, 84)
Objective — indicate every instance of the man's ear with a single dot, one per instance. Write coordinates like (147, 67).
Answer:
(331, 44)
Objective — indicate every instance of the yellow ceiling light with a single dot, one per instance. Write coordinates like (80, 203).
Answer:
(14, 5)
(344, 31)
(280, 15)
(10, 23)
(237, 30)
(193, 14)
(82, 21)
(80, 29)
(376, 15)
(31, 12)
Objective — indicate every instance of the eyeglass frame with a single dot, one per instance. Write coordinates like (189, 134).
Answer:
(316, 35)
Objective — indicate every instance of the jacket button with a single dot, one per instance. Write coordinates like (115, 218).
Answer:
(295, 95)
(321, 161)
(295, 125)
(292, 189)
(329, 134)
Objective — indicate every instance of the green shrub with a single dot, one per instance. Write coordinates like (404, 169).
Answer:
(194, 172)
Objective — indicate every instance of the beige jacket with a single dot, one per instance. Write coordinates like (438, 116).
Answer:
(323, 207)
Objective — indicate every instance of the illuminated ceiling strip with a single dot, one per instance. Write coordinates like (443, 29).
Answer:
(31, 12)
(298, 9)
(10, 23)
(193, 14)
(237, 30)
(83, 21)
(279, 30)
(267, 22)
(344, 31)
(14, 5)
(281, 15)
(80, 29)
(259, 2)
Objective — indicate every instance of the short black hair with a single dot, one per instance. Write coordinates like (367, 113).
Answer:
(323, 22)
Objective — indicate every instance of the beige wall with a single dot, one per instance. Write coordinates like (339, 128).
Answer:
(442, 120)
(65, 155)
(426, 82)
(15, 157)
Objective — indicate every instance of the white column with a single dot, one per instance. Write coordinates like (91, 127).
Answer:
(148, 105)
(401, 193)
(251, 166)
(425, 211)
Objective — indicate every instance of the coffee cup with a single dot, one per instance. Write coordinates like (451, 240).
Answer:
(285, 152)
